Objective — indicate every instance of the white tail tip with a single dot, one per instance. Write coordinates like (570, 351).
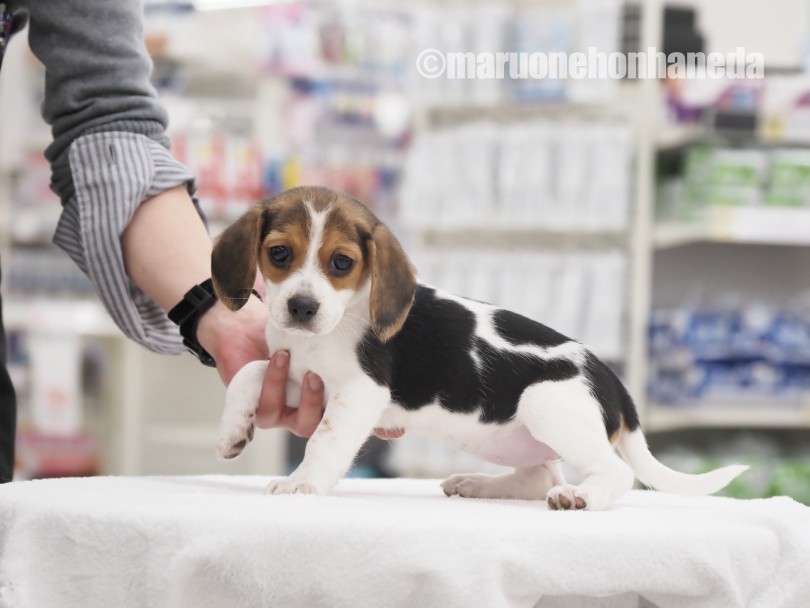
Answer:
(633, 447)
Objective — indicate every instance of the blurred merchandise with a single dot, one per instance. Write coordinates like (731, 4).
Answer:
(732, 103)
(55, 357)
(350, 97)
(790, 179)
(228, 167)
(744, 354)
(339, 42)
(772, 109)
(555, 175)
(332, 40)
(565, 28)
(45, 271)
(58, 384)
(233, 174)
(786, 108)
(736, 177)
(720, 104)
(35, 209)
(36, 266)
(40, 455)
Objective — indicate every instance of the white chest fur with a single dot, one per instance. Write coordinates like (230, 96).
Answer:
(331, 357)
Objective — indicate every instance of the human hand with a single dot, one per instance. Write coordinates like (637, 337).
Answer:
(237, 338)
(273, 409)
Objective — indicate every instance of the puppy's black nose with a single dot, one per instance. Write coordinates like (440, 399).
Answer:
(302, 308)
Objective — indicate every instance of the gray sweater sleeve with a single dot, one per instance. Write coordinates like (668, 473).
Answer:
(96, 75)
(109, 151)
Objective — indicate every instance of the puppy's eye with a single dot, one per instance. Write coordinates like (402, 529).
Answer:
(280, 256)
(341, 264)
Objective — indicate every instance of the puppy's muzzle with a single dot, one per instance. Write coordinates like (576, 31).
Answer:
(302, 309)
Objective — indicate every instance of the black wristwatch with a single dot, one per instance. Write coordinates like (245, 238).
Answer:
(187, 313)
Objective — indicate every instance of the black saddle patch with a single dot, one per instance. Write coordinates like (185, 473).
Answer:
(433, 359)
(517, 329)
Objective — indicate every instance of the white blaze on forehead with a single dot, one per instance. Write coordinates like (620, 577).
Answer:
(317, 223)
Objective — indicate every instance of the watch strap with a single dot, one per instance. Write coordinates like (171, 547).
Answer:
(187, 314)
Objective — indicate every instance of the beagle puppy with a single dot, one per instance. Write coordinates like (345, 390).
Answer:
(393, 353)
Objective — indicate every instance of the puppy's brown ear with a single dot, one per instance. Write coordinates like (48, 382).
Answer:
(393, 283)
(235, 255)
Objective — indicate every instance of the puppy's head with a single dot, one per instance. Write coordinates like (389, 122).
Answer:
(318, 251)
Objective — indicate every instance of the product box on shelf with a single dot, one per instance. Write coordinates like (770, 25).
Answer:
(567, 176)
(729, 355)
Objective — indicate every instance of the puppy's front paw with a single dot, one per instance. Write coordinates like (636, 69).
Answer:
(235, 432)
(287, 485)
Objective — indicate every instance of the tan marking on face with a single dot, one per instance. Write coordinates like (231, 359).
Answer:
(334, 243)
(290, 227)
(346, 229)
(296, 238)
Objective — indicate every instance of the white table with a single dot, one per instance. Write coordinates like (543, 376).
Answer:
(219, 541)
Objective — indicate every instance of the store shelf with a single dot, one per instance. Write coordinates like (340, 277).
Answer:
(673, 136)
(517, 236)
(755, 416)
(506, 110)
(755, 225)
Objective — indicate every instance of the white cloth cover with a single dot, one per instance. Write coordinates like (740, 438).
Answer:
(219, 542)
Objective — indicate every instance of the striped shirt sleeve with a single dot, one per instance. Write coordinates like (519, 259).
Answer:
(114, 172)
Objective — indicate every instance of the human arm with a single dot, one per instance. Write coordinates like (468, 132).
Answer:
(129, 220)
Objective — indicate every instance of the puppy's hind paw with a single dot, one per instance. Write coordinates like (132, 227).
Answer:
(285, 485)
(469, 486)
(234, 435)
(566, 498)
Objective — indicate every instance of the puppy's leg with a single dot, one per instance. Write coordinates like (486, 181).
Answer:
(565, 416)
(241, 400)
(529, 483)
(350, 415)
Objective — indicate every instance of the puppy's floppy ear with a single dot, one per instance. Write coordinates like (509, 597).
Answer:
(235, 256)
(393, 283)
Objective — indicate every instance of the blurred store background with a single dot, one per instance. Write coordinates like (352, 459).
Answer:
(664, 223)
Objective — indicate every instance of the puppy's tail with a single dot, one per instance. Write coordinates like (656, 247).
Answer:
(634, 450)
